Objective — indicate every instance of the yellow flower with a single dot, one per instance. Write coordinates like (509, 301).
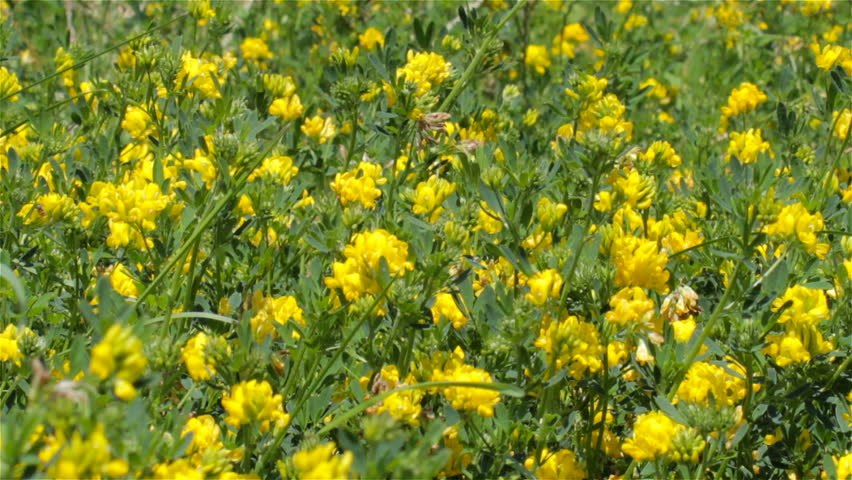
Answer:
(445, 307)
(289, 108)
(571, 344)
(635, 190)
(403, 406)
(180, 469)
(544, 285)
(425, 70)
(466, 398)
(640, 263)
(703, 379)
(79, 456)
(635, 21)
(662, 151)
(430, 195)
(9, 349)
(489, 220)
(832, 55)
(319, 129)
(205, 432)
(255, 48)
(122, 282)
(9, 84)
(357, 276)
(119, 354)
(566, 41)
(359, 185)
(683, 329)
(807, 305)
(457, 460)
(198, 75)
(253, 401)
(843, 466)
(320, 463)
(631, 306)
(537, 57)
(795, 221)
(137, 122)
(370, 38)
(747, 145)
(742, 99)
(652, 436)
(560, 465)
(841, 124)
(204, 165)
(277, 168)
(549, 213)
(270, 310)
(198, 363)
(48, 208)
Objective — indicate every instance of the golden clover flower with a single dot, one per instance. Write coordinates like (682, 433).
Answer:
(795, 221)
(199, 364)
(565, 42)
(200, 76)
(129, 206)
(537, 57)
(370, 38)
(403, 406)
(430, 195)
(843, 466)
(359, 185)
(81, 456)
(652, 437)
(489, 220)
(178, 469)
(704, 379)
(254, 48)
(572, 344)
(288, 108)
(640, 263)
(841, 121)
(48, 208)
(457, 460)
(549, 213)
(119, 355)
(660, 151)
(544, 285)
(253, 401)
(631, 306)
(445, 307)
(559, 465)
(357, 275)
(122, 282)
(320, 129)
(137, 122)
(10, 349)
(321, 463)
(635, 190)
(425, 70)
(277, 168)
(270, 310)
(747, 145)
(742, 99)
(9, 84)
(466, 398)
(807, 305)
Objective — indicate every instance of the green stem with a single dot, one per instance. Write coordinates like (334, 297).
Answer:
(477, 59)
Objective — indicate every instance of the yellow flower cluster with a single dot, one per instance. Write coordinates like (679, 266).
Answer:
(457, 460)
(465, 398)
(119, 354)
(742, 99)
(842, 123)
(199, 364)
(81, 457)
(747, 145)
(287, 103)
(270, 310)
(319, 128)
(255, 49)
(631, 307)
(571, 36)
(543, 286)
(705, 380)
(639, 262)
(122, 282)
(559, 465)
(9, 84)
(572, 344)
(359, 185)
(445, 307)
(489, 220)
(403, 406)
(277, 168)
(801, 338)
(253, 401)
(549, 213)
(320, 463)
(137, 123)
(537, 57)
(425, 70)
(370, 38)
(429, 196)
(652, 437)
(10, 350)
(49, 208)
(832, 55)
(358, 274)
(633, 189)
(661, 151)
(131, 207)
(794, 221)
(197, 74)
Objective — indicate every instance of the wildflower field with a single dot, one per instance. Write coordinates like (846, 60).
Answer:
(360, 239)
